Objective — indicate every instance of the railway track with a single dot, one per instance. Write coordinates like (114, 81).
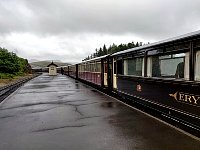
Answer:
(5, 91)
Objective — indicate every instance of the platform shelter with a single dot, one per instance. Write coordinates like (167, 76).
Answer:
(52, 69)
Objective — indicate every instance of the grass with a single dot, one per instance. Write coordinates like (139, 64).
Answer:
(6, 76)
(9, 78)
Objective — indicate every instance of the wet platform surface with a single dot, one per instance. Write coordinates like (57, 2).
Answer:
(59, 113)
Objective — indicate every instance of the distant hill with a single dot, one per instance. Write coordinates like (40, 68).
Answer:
(46, 63)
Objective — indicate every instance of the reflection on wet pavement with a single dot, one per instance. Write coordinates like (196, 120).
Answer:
(110, 104)
(60, 113)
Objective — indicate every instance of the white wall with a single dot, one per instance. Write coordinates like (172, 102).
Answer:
(52, 70)
(149, 67)
(186, 69)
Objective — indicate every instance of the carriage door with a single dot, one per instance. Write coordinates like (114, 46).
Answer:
(105, 74)
(114, 74)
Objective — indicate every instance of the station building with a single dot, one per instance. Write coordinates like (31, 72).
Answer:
(52, 69)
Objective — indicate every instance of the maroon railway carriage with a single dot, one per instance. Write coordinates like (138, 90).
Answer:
(71, 71)
(92, 71)
(163, 77)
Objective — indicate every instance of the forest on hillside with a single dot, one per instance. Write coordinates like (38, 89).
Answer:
(11, 65)
(112, 49)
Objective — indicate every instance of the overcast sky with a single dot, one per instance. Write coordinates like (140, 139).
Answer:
(69, 30)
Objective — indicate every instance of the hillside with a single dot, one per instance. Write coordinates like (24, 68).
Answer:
(45, 64)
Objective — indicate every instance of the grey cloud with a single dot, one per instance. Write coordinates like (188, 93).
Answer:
(63, 29)
(153, 19)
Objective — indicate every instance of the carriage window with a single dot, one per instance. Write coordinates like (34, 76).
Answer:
(98, 67)
(87, 67)
(73, 68)
(168, 66)
(119, 66)
(197, 68)
(82, 68)
(133, 66)
(92, 68)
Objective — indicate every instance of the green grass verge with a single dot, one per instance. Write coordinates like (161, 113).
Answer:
(10, 76)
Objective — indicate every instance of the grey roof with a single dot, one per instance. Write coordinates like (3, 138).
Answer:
(52, 64)
(188, 35)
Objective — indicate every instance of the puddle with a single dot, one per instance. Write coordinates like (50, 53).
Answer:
(38, 86)
(109, 104)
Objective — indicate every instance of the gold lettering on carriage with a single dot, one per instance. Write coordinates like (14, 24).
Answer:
(185, 97)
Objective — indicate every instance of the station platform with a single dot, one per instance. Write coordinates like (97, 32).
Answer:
(59, 113)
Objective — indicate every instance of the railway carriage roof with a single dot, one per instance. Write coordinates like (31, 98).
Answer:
(181, 37)
(97, 58)
(93, 59)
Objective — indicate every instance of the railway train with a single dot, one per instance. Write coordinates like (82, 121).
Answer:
(163, 77)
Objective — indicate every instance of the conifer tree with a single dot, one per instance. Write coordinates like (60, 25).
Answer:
(104, 50)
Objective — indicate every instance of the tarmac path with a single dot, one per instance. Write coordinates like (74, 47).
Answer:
(59, 113)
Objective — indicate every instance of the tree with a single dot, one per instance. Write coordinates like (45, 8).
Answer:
(137, 44)
(105, 52)
(131, 45)
(100, 52)
(109, 50)
(10, 63)
(113, 49)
